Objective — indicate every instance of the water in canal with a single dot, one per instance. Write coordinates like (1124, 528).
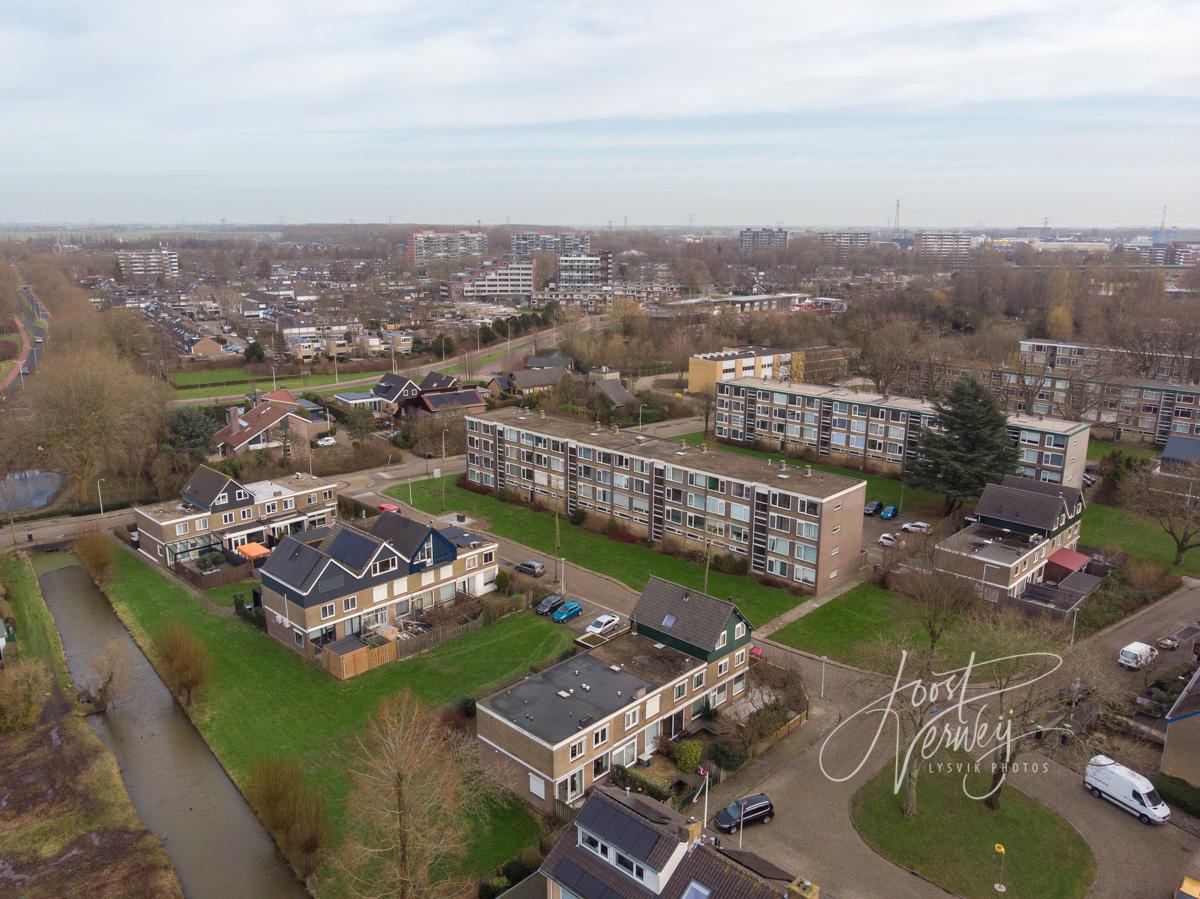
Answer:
(218, 847)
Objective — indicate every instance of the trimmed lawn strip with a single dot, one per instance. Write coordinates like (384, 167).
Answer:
(952, 841)
(485, 359)
(37, 637)
(224, 594)
(1108, 526)
(235, 377)
(889, 491)
(266, 700)
(1098, 449)
(630, 563)
(264, 383)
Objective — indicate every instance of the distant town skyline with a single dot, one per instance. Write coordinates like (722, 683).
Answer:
(1085, 115)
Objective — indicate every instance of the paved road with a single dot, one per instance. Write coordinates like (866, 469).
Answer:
(29, 316)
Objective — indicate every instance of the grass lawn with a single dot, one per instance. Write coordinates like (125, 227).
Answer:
(628, 562)
(264, 383)
(1098, 449)
(913, 500)
(14, 337)
(224, 595)
(1107, 526)
(952, 841)
(37, 637)
(266, 700)
(235, 376)
(485, 359)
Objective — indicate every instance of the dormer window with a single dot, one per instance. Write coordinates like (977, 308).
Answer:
(242, 494)
(739, 630)
(724, 638)
(221, 499)
(424, 554)
(384, 565)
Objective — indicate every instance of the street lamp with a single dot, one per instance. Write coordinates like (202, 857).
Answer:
(444, 430)
(100, 495)
(272, 378)
(640, 408)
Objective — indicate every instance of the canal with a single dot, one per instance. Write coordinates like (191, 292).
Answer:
(217, 845)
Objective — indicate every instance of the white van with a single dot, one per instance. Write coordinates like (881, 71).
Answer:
(1136, 655)
(1106, 779)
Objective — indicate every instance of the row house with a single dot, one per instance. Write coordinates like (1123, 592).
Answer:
(345, 582)
(557, 733)
(884, 429)
(790, 523)
(1019, 527)
(214, 510)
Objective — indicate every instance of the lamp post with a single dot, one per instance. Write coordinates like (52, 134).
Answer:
(640, 408)
(273, 386)
(444, 430)
(824, 659)
(100, 495)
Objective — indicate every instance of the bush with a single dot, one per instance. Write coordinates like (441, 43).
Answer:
(730, 756)
(687, 755)
(629, 777)
(767, 720)
(578, 517)
(97, 554)
(490, 889)
(728, 563)
(250, 614)
(23, 688)
(291, 809)
(186, 663)
(502, 581)
(1178, 792)
(468, 707)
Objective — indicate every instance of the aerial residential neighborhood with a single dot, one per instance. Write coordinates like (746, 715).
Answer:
(611, 451)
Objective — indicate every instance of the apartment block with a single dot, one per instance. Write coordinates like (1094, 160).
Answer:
(559, 733)
(1067, 359)
(584, 272)
(135, 264)
(492, 279)
(840, 243)
(942, 246)
(345, 583)
(570, 243)
(429, 246)
(214, 510)
(790, 523)
(814, 364)
(855, 425)
(751, 239)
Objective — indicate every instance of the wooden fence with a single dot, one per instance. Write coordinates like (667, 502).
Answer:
(362, 660)
(219, 578)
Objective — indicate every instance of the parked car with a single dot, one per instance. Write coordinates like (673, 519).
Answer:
(572, 608)
(326, 441)
(1089, 480)
(916, 527)
(1136, 655)
(747, 810)
(1124, 787)
(24, 369)
(388, 507)
(1167, 643)
(872, 508)
(550, 603)
(531, 568)
(888, 539)
(605, 624)
(38, 340)
(889, 512)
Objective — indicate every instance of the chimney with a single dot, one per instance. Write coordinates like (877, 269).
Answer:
(231, 417)
(691, 831)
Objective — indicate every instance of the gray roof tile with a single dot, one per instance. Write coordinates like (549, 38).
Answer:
(688, 614)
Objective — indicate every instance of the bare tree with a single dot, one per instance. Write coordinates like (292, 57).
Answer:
(1170, 499)
(706, 404)
(417, 785)
(111, 667)
(886, 348)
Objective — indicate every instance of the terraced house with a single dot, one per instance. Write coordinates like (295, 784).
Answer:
(788, 522)
(556, 733)
(854, 425)
(214, 510)
(344, 582)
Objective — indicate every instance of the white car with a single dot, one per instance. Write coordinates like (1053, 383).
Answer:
(888, 539)
(916, 527)
(605, 624)
(326, 441)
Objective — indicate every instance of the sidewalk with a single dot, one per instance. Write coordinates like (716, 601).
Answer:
(811, 605)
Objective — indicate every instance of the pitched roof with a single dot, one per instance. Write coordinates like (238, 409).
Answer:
(404, 534)
(204, 486)
(550, 360)
(436, 402)
(538, 377)
(1023, 507)
(391, 385)
(1069, 559)
(615, 391)
(248, 425)
(351, 547)
(282, 395)
(295, 564)
(435, 380)
(1072, 496)
(692, 616)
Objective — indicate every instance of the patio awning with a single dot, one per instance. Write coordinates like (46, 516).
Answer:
(253, 550)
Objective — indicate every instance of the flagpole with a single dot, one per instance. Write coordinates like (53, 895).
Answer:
(704, 823)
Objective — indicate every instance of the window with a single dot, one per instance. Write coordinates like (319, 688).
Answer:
(696, 891)
(350, 603)
(600, 737)
(227, 518)
(181, 529)
(625, 755)
(698, 680)
(739, 657)
(221, 498)
(680, 690)
(246, 514)
(242, 494)
(576, 749)
(739, 683)
(722, 667)
(472, 562)
(384, 565)
(631, 718)
(723, 639)
(289, 504)
(298, 639)
(272, 508)
(327, 611)
(630, 867)
(537, 787)
(739, 630)
(489, 556)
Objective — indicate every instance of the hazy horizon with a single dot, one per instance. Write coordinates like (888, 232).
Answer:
(1087, 115)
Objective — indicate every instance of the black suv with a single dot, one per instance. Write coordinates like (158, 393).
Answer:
(873, 508)
(746, 810)
(550, 603)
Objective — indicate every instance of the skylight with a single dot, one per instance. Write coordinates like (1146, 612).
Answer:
(669, 620)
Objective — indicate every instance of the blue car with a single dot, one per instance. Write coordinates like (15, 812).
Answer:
(888, 513)
(572, 608)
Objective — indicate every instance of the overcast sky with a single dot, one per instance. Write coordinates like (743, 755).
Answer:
(797, 112)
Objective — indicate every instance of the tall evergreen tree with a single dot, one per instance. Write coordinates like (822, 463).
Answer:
(971, 450)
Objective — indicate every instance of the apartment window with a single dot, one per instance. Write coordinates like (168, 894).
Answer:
(227, 518)
(327, 611)
(722, 667)
(631, 718)
(680, 690)
(181, 529)
(576, 749)
(739, 658)
(777, 567)
(350, 603)
(247, 514)
(723, 639)
(697, 680)
(739, 630)
(600, 737)
(327, 494)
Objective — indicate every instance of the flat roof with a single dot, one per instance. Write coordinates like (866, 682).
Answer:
(836, 392)
(1044, 423)
(989, 544)
(741, 352)
(792, 478)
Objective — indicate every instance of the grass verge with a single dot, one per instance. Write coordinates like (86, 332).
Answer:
(36, 638)
(631, 563)
(952, 841)
(1098, 449)
(266, 700)
(1109, 526)
(298, 384)
(224, 595)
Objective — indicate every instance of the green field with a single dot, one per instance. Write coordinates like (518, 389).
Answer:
(265, 700)
(299, 384)
(223, 596)
(952, 841)
(37, 637)
(485, 359)
(1098, 449)
(890, 491)
(237, 376)
(14, 337)
(1108, 526)
(628, 562)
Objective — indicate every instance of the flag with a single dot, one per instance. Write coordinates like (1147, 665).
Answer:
(999, 848)
(700, 789)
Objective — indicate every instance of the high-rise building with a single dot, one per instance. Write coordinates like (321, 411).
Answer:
(842, 242)
(945, 246)
(751, 239)
(584, 271)
(492, 279)
(148, 263)
(569, 243)
(430, 246)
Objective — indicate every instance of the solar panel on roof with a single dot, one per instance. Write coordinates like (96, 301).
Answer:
(581, 883)
(619, 829)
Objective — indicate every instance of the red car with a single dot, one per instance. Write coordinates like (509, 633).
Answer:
(388, 507)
